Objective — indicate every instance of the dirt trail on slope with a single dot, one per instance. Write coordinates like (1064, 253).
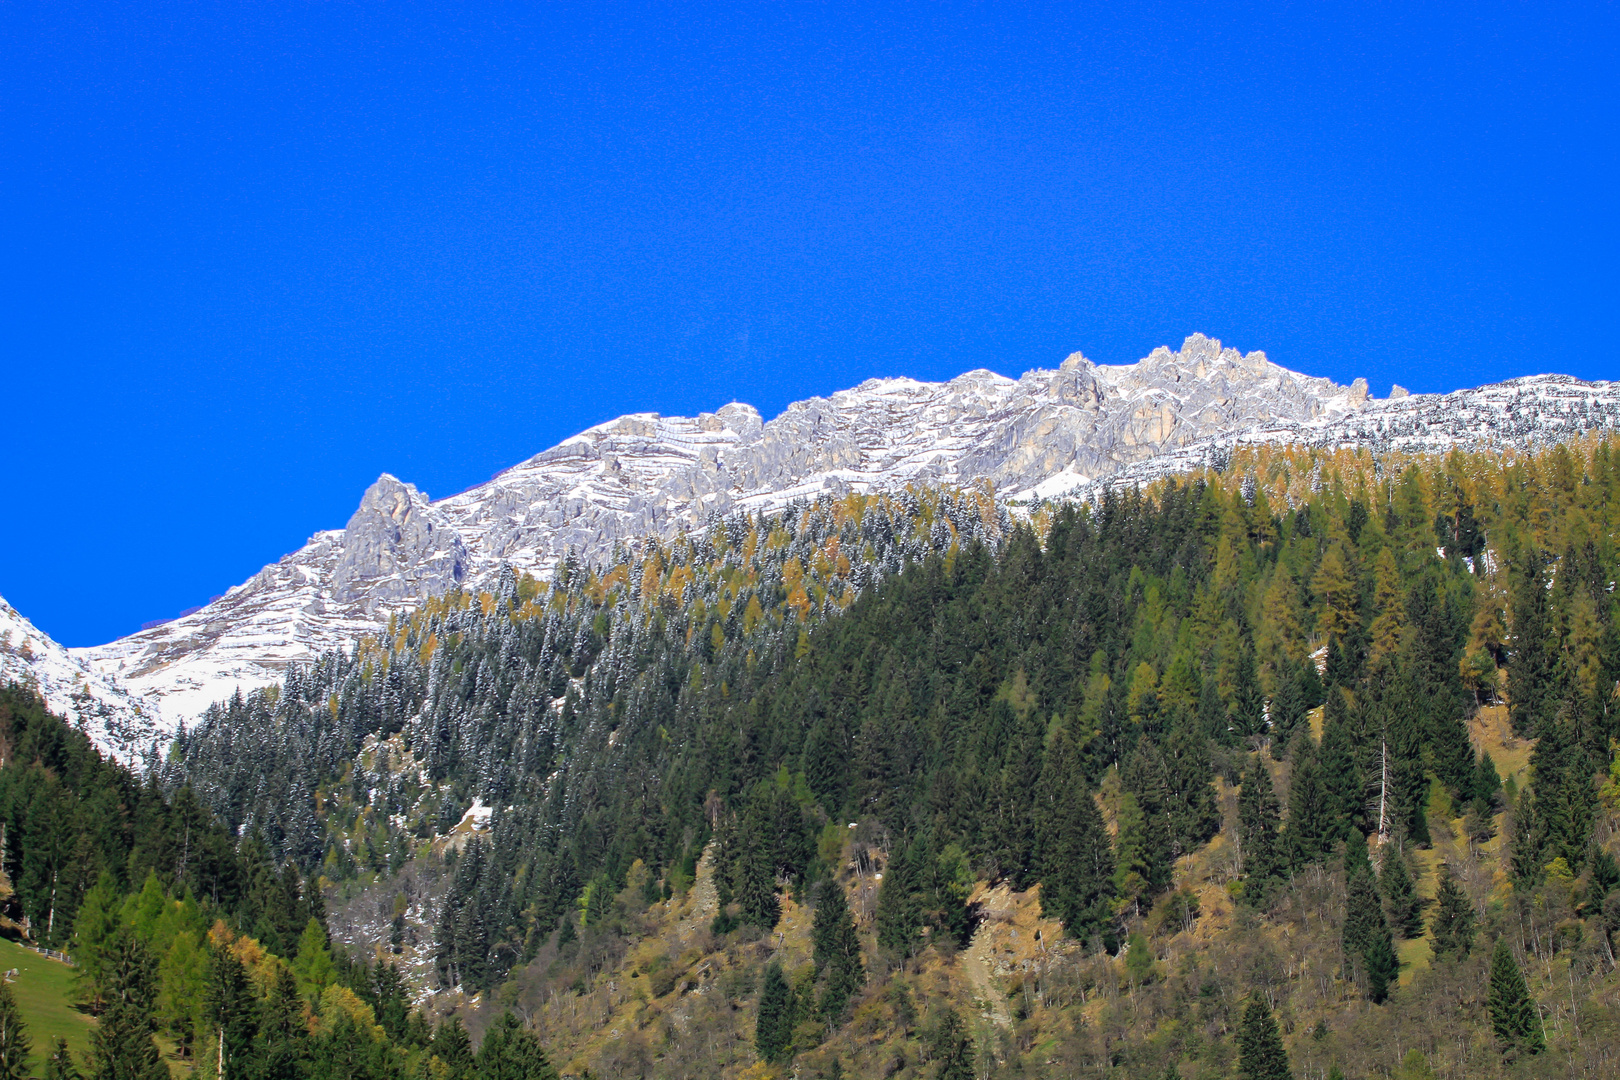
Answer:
(704, 900)
(977, 962)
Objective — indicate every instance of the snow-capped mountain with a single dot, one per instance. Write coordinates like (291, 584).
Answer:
(1537, 410)
(121, 722)
(1048, 433)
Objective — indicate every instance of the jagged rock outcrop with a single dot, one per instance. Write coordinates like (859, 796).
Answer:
(1050, 432)
(397, 548)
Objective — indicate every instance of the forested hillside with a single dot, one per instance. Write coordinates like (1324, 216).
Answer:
(192, 949)
(900, 786)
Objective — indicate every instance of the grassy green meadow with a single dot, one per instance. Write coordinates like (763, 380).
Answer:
(44, 991)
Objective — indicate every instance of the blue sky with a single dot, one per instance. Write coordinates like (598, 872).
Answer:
(254, 255)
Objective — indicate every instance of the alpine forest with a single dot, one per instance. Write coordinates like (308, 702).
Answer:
(1303, 767)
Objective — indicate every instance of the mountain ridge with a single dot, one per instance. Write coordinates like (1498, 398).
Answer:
(120, 720)
(1051, 433)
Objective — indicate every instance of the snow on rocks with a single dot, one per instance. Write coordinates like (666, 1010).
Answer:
(121, 722)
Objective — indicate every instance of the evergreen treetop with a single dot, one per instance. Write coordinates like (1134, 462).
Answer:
(1514, 1017)
(1260, 1049)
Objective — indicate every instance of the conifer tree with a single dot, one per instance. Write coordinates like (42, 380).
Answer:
(1452, 923)
(837, 950)
(1016, 839)
(1313, 824)
(1605, 877)
(60, 1065)
(1408, 787)
(1287, 708)
(756, 883)
(1260, 1050)
(899, 922)
(1264, 865)
(1402, 903)
(230, 1006)
(388, 996)
(279, 1048)
(773, 1029)
(511, 1052)
(1366, 938)
(1335, 667)
(952, 1048)
(1564, 796)
(1147, 854)
(1487, 782)
(1077, 860)
(452, 1046)
(14, 1042)
(944, 883)
(314, 964)
(1245, 703)
(1389, 615)
(1193, 815)
(1336, 760)
(1528, 843)
(1531, 663)
(93, 933)
(121, 1046)
(1382, 967)
(1514, 1018)
(1335, 584)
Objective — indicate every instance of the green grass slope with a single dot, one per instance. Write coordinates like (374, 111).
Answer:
(44, 991)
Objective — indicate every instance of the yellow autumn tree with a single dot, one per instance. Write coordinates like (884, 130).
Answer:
(1335, 587)
(1389, 618)
(1280, 628)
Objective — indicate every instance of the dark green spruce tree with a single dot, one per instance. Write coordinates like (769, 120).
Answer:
(1487, 783)
(1368, 948)
(899, 919)
(1077, 859)
(452, 1046)
(121, 1046)
(1264, 863)
(1452, 923)
(773, 1029)
(1514, 1018)
(1336, 761)
(1288, 704)
(14, 1042)
(837, 950)
(756, 882)
(1193, 816)
(232, 1009)
(60, 1065)
(952, 1048)
(1561, 778)
(1402, 903)
(1146, 848)
(1532, 663)
(1314, 821)
(1260, 1050)
(280, 1048)
(511, 1052)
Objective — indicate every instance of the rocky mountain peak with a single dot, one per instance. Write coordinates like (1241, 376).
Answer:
(397, 547)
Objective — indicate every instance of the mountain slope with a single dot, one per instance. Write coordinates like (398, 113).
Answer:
(619, 761)
(1046, 434)
(119, 720)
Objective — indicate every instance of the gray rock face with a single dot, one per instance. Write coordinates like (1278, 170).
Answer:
(397, 548)
(1046, 434)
